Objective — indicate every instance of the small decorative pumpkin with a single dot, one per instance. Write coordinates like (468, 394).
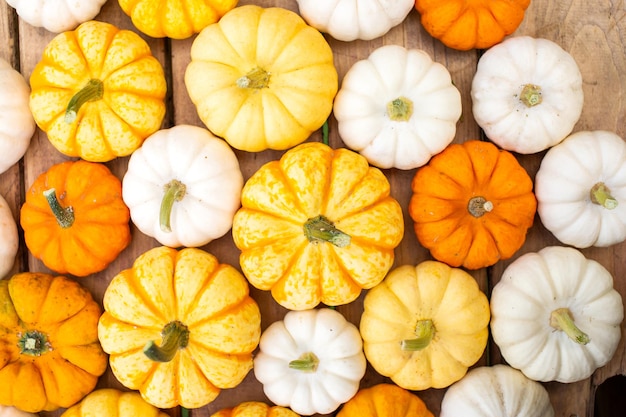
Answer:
(556, 315)
(74, 218)
(349, 20)
(50, 356)
(497, 390)
(397, 107)
(98, 92)
(469, 24)
(9, 239)
(7, 411)
(527, 94)
(183, 186)
(16, 121)
(384, 400)
(317, 226)
(111, 402)
(173, 18)
(425, 325)
(261, 78)
(472, 205)
(312, 361)
(56, 15)
(581, 189)
(179, 327)
(255, 409)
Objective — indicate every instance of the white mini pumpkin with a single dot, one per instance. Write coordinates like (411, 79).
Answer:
(56, 15)
(9, 411)
(9, 242)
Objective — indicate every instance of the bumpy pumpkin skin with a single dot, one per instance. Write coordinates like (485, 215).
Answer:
(50, 356)
(472, 205)
(180, 290)
(100, 230)
(384, 400)
(255, 409)
(281, 198)
(261, 78)
(132, 104)
(469, 24)
(111, 402)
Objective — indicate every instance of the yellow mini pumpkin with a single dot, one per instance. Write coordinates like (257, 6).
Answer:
(111, 402)
(255, 409)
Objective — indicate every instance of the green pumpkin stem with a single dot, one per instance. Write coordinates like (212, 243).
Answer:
(33, 343)
(601, 195)
(561, 319)
(400, 109)
(175, 336)
(63, 215)
(320, 229)
(174, 191)
(307, 362)
(424, 332)
(325, 135)
(93, 91)
(531, 95)
(257, 78)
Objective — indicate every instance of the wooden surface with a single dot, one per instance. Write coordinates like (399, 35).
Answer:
(594, 32)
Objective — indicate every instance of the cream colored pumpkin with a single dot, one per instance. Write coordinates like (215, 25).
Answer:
(9, 240)
(57, 15)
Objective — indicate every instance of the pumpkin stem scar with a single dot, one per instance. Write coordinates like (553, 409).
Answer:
(63, 215)
(531, 95)
(424, 332)
(561, 319)
(478, 206)
(257, 78)
(33, 343)
(307, 362)
(320, 229)
(175, 336)
(600, 194)
(93, 91)
(174, 191)
(400, 109)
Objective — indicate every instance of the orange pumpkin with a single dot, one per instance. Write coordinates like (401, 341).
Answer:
(468, 24)
(385, 400)
(472, 205)
(74, 218)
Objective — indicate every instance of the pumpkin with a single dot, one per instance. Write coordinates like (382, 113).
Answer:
(9, 242)
(497, 390)
(472, 205)
(349, 20)
(311, 361)
(97, 92)
(173, 18)
(469, 24)
(556, 315)
(111, 402)
(179, 327)
(50, 356)
(261, 78)
(423, 326)
(17, 125)
(183, 186)
(56, 15)
(384, 400)
(7, 411)
(255, 409)
(74, 218)
(397, 107)
(527, 94)
(317, 226)
(581, 189)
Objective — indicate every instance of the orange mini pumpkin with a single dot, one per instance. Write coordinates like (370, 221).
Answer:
(385, 400)
(468, 24)
(472, 205)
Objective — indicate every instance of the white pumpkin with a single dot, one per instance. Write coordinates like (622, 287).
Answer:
(56, 15)
(555, 315)
(581, 189)
(9, 411)
(527, 94)
(9, 242)
(397, 108)
(349, 20)
(183, 186)
(312, 361)
(17, 124)
(496, 391)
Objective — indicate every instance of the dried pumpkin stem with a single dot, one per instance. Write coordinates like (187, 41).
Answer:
(478, 206)
(175, 336)
(320, 229)
(174, 191)
(94, 90)
(400, 109)
(561, 319)
(63, 215)
(424, 332)
(33, 343)
(531, 95)
(600, 194)
(307, 362)
(257, 78)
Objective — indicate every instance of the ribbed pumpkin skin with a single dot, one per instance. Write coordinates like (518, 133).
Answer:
(384, 400)
(255, 409)
(111, 402)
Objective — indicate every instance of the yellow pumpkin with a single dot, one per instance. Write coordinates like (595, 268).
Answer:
(98, 92)
(111, 402)
(255, 409)
(318, 225)
(425, 325)
(261, 78)
(179, 327)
